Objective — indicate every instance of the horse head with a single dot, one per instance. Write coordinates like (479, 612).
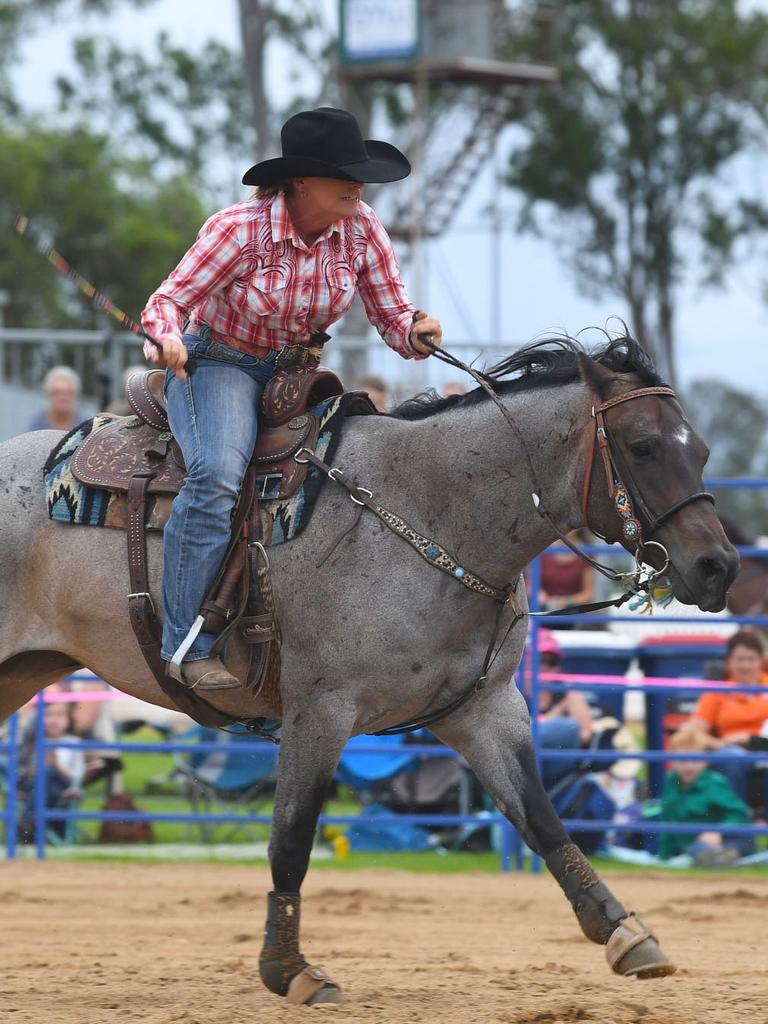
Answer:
(644, 488)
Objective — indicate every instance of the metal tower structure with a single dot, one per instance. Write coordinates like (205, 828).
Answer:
(450, 56)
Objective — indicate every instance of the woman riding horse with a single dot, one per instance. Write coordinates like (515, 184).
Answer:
(270, 272)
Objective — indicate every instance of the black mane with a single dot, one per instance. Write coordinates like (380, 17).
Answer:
(543, 364)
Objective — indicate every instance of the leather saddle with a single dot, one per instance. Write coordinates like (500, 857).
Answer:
(138, 460)
(143, 443)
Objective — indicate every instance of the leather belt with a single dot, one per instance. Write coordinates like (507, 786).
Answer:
(315, 343)
(259, 351)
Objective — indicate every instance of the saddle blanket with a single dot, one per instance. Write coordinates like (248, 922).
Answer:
(70, 501)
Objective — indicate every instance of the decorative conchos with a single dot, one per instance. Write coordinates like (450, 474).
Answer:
(630, 526)
(631, 529)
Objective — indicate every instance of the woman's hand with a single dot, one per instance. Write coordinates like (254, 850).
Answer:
(173, 355)
(423, 326)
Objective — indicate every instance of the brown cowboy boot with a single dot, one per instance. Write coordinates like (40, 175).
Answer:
(208, 674)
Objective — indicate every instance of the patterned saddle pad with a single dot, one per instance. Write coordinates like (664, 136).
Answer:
(70, 501)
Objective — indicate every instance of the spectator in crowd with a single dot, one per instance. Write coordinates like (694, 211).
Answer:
(565, 718)
(120, 406)
(453, 387)
(566, 579)
(692, 792)
(61, 386)
(377, 389)
(65, 768)
(92, 720)
(736, 723)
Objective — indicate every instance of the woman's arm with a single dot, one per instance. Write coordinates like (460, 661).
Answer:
(211, 264)
(577, 707)
(384, 297)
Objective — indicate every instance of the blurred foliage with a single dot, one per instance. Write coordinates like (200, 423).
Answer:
(734, 424)
(625, 164)
(175, 108)
(207, 113)
(121, 176)
(108, 215)
(21, 18)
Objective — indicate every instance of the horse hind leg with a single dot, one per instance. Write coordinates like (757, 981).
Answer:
(309, 755)
(26, 673)
(495, 739)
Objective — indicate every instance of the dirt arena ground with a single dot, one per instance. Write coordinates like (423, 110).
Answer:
(98, 943)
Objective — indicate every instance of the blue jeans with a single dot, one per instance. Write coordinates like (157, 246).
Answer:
(214, 416)
(558, 734)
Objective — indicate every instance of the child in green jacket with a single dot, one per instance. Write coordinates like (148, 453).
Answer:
(692, 792)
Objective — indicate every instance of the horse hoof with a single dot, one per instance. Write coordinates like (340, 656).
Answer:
(329, 993)
(313, 987)
(633, 949)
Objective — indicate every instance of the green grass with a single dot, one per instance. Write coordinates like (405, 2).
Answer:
(149, 778)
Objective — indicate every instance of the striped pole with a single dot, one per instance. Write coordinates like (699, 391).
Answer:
(97, 298)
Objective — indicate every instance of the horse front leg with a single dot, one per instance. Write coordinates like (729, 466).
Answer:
(310, 748)
(494, 736)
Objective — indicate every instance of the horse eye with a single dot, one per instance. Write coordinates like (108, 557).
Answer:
(641, 449)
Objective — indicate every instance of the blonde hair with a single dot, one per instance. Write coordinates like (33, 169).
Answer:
(692, 740)
(272, 190)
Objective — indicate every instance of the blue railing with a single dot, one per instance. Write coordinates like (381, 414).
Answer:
(652, 757)
(511, 846)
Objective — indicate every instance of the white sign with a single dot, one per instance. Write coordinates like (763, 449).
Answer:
(378, 29)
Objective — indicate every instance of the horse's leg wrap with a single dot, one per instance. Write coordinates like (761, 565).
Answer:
(597, 909)
(283, 969)
(631, 948)
(280, 959)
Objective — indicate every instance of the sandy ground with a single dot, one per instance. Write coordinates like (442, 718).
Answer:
(97, 943)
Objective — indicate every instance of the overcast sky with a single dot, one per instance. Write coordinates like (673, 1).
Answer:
(721, 334)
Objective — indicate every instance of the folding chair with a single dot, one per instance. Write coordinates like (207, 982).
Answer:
(227, 781)
(370, 773)
(406, 782)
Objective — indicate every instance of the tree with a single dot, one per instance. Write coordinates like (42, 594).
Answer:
(735, 425)
(110, 216)
(206, 112)
(20, 18)
(627, 158)
(116, 183)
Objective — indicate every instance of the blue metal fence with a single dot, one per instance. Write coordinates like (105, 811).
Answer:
(511, 848)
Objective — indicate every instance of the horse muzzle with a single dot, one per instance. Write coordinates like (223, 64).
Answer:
(706, 580)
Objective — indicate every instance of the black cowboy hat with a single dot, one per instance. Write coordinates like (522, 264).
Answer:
(327, 143)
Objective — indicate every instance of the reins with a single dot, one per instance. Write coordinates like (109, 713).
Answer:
(636, 582)
(624, 499)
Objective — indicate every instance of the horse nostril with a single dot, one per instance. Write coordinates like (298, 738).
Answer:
(711, 567)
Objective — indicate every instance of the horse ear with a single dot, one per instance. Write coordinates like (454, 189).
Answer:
(596, 376)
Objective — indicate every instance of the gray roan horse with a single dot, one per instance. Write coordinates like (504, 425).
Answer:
(375, 636)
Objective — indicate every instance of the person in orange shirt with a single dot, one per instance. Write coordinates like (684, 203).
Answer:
(733, 721)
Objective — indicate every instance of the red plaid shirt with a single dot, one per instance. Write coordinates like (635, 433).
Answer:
(250, 277)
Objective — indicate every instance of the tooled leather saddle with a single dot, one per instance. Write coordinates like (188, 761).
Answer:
(137, 459)
(143, 443)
